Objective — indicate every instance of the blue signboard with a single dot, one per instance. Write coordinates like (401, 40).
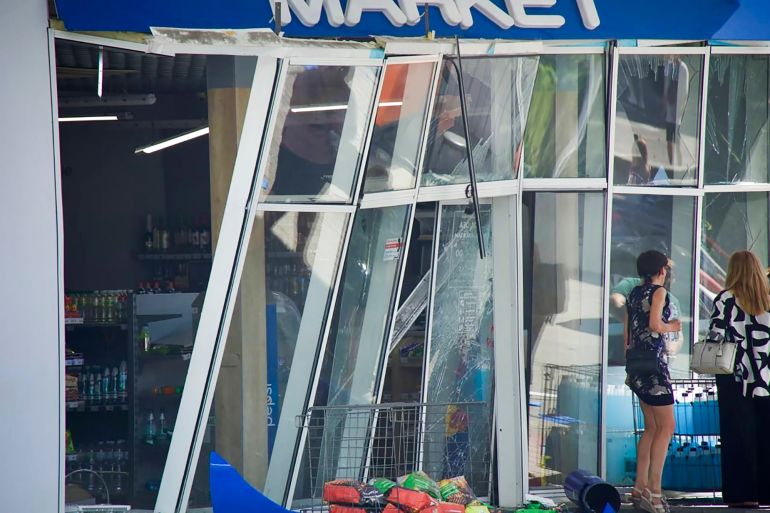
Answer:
(273, 400)
(489, 19)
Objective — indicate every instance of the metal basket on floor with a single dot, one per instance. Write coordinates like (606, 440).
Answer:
(391, 440)
(693, 463)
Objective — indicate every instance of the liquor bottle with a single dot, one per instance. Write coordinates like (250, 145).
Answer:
(161, 424)
(148, 235)
(196, 239)
(106, 386)
(149, 429)
(114, 392)
(205, 235)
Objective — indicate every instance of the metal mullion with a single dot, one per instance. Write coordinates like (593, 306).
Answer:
(613, 60)
(388, 199)
(737, 187)
(432, 101)
(657, 191)
(216, 315)
(331, 61)
(564, 184)
(662, 50)
(299, 444)
(740, 50)
(519, 352)
(305, 207)
(697, 248)
(63, 35)
(573, 50)
(413, 59)
(429, 330)
(702, 121)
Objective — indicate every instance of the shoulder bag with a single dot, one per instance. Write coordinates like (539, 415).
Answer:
(713, 357)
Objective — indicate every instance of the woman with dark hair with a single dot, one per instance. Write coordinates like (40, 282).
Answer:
(741, 316)
(648, 320)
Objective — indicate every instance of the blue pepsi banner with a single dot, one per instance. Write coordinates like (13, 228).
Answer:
(488, 19)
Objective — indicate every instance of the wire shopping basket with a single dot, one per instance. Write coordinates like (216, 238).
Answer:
(693, 462)
(391, 440)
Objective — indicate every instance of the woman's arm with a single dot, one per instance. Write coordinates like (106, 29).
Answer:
(656, 314)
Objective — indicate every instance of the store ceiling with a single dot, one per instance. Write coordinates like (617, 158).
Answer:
(126, 72)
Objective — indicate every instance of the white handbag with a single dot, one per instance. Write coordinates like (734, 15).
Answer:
(712, 357)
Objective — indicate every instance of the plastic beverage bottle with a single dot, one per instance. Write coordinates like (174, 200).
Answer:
(106, 385)
(123, 380)
(149, 430)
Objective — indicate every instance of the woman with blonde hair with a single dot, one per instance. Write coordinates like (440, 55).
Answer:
(742, 316)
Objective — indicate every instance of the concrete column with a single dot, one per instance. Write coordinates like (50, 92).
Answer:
(31, 267)
(240, 400)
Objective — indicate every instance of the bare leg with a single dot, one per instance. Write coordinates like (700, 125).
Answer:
(664, 420)
(643, 449)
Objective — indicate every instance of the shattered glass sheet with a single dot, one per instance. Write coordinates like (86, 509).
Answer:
(657, 120)
(731, 221)
(460, 358)
(737, 117)
(498, 93)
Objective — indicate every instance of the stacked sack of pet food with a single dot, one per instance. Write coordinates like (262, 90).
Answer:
(413, 493)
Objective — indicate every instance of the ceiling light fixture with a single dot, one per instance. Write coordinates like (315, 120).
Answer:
(75, 119)
(171, 141)
(324, 108)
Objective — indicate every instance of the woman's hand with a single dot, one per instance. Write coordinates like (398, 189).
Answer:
(674, 326)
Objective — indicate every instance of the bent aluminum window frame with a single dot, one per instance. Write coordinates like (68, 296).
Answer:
(227, 269)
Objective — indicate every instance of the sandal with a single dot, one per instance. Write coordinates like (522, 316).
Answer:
(653, 502)
(633, 497)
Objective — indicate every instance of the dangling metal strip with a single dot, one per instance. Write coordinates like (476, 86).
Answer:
(474, 193)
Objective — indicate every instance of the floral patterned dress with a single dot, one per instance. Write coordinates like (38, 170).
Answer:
(653, 389)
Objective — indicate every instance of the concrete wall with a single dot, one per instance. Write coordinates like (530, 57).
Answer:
(30, 293)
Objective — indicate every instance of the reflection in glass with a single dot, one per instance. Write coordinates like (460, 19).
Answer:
(737, 136)
(460, 365)
(640, 223)
(563, 297)
(319, 133)
(731, 222)
(398, 127)
(358, 338)
(498, 92)
(657, 119)
(565, 136)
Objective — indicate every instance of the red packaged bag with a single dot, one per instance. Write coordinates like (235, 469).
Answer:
(410, 501)
(390, 508)
(337, 508)
(344, 491)
(444, 507)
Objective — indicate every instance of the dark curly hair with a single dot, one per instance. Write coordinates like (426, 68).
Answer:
(649, 263)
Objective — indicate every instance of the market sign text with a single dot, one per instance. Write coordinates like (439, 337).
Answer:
(454, 12)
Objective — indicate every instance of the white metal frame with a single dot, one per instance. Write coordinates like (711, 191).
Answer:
(216, 314)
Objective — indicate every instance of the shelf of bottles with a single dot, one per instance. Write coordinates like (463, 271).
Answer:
(182, 241)
(96, 308)
(94, 466)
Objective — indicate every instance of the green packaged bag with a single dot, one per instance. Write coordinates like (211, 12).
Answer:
(476, 508)
(456, 490)
(382, 484)
(421, 482)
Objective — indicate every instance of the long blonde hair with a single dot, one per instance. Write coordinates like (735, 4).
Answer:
(748, 282)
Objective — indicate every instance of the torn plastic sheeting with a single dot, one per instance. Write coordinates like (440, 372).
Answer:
(171, 41)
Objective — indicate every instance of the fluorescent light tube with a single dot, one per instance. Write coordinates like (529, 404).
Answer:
(87, 118)
(171, 141)
(318, 108)
(324, 108)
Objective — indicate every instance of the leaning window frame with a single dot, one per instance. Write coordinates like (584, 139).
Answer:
(374, 200)
(238, 220)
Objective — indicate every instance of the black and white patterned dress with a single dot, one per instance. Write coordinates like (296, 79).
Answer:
(654, 389)
(752, 334)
